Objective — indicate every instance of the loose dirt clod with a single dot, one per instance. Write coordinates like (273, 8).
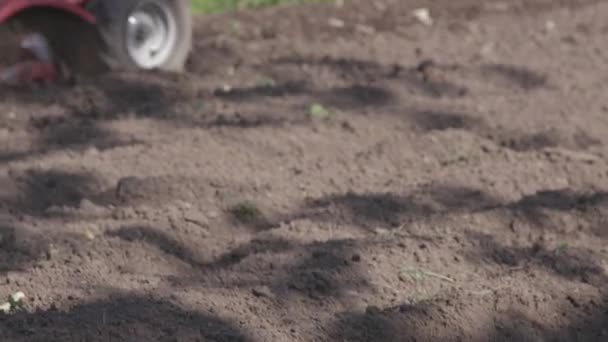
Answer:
(424, 16)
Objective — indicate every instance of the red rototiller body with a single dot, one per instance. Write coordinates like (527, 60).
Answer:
(131, 34)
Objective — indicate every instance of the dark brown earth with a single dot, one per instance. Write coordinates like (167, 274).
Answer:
(455, 191)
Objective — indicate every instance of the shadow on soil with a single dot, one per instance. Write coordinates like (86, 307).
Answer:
(323, 271)
(80, 112)
(411, 323)
(428, 121)
(575, 264)
(318, 272)
(532, 207)
(390, 210)
(518, 76)
(370, 87)
(363, 89)
(122, 318)
(33, 192)
(76, 136)
(48, 193)
(158, 239)
(17, 253)
(313, 271)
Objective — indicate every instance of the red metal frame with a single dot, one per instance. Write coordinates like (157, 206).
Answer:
(10, 8)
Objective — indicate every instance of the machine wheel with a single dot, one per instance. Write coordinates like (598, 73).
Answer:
(144, 34)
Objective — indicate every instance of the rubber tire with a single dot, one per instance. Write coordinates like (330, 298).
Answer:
(112, 16)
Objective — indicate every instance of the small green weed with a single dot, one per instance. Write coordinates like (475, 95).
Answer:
(319, 111)
(245, 211)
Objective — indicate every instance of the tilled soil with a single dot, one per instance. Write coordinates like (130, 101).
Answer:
(451, 185)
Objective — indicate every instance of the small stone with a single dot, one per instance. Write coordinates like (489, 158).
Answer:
(372, 310)
(183, 205)
(573, 301)
(335, 22)
(425, 65)
(365, 29)
(50, 253)
(402, 277)
(381, 231)
(347, 126)
(406, 308)
(92, 151)
(423, 15)
(356, 258)
(89, 235)
(262, 291)
(498, 6)
(124, 213)
(487, 50)
(197, 218)
(5, 308)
